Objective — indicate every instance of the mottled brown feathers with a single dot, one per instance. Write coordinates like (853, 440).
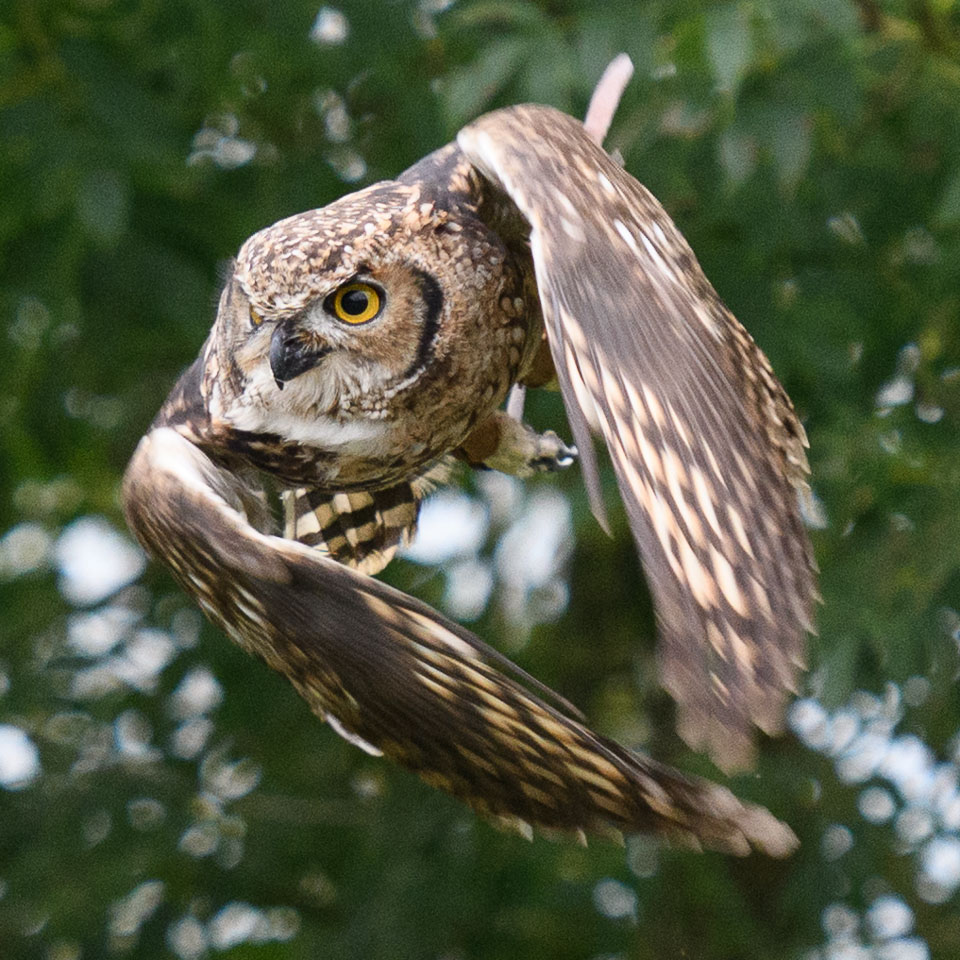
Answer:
(362, 529)
(400, 679)
(462, 261)
(707, 448)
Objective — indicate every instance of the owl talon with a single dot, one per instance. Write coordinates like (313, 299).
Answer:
(553, 454)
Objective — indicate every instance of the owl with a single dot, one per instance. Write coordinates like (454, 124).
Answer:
(361, 350)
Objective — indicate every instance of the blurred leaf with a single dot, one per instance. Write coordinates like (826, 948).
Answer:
(469, 90)
(729, 43)
(102, 206)
(791, 144)
(738, 155)
(948, 210)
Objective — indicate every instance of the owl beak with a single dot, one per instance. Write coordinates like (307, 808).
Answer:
(291, 355)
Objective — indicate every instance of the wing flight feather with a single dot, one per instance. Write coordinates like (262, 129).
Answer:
(396, 677)
(706, 446)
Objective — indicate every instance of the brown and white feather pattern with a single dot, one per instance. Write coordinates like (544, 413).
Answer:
(397, 678)
(707, 448)
(356, 420)
(360, 528)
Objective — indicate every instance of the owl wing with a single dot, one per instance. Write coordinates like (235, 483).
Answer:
(706, 447)
(397, 678)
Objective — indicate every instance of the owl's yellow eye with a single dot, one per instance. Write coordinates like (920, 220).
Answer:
(255, 318)
(356, 303)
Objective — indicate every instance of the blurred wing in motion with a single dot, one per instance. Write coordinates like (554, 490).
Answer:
(395, 677)
(707, 449)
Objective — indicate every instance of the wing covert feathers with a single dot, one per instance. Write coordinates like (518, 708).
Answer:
(706, 446)
(398, 676)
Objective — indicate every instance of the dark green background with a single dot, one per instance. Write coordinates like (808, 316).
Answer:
(809, 150)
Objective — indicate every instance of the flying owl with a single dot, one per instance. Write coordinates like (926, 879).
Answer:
(362, 348)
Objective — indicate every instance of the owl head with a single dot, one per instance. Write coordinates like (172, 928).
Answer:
(343, 311)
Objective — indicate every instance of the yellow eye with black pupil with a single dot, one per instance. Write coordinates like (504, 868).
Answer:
(356, 303)
(255, 318)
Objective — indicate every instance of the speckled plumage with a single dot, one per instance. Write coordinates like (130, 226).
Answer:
(708, 450)
(524, 225)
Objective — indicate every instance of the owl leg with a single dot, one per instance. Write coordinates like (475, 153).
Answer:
(362, 529)
(503, 443)
(540, 372)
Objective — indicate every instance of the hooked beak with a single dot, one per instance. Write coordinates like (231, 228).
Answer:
(290, 355)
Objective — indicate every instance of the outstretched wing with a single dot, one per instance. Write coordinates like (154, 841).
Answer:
(707, 449)
(395, 677)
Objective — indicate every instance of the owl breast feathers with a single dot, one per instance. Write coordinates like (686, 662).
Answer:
(361, 349)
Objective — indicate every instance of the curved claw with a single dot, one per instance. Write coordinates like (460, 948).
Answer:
(552, 454)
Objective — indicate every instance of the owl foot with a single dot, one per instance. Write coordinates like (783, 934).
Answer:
(502, 443)
(552, 453)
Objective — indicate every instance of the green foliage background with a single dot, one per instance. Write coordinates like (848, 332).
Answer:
(809, 150)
